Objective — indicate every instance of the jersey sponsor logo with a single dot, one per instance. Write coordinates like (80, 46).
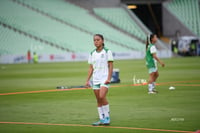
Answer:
(102, 55)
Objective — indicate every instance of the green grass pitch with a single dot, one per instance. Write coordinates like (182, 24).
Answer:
(131, 107)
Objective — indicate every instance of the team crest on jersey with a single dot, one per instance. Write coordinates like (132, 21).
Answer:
(102, 55)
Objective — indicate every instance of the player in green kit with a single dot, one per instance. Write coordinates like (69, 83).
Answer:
(151, 62)
(101, 67)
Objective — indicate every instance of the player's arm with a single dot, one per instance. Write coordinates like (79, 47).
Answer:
(90, 71)
(156, 58)
(110, 70)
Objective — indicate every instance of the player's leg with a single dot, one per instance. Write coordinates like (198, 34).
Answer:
(150, 83)
(156, 75)
(97, 95)
(102, 95)
(106, 109)
(99, 106)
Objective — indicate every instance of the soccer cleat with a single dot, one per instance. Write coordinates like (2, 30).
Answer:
(107, 121)
(152, 92)
(98, 123)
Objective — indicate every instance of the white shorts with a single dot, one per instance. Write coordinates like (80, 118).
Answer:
(153, 69)
(98, 86)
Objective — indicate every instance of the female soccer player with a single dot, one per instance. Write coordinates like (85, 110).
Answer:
(151, 62)
(101, 67)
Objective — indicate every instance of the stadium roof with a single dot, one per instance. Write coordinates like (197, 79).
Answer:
(142, 1)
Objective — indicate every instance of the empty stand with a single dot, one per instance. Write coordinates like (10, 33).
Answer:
(188, 12)
(120, 18)
(47, 28)
(15, 43)
(82, 19)
(44, 27)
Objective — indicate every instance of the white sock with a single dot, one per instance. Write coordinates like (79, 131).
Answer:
(150, 87)
(154, 84)
(100, 111)
(106, 110)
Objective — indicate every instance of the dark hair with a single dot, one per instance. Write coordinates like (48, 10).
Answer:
(101, 36)
(149, 39)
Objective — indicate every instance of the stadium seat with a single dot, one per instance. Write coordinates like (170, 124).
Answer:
(188, 12)
(120, 18)
(15, 43)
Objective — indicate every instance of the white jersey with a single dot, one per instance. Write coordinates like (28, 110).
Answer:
(99, 61)
(154, 50)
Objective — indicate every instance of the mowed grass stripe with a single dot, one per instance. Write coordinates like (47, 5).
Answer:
(167, 83)
(79, 125)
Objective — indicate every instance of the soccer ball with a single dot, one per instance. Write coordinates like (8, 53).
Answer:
(171, 88)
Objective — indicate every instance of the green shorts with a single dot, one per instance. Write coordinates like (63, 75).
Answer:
(98, 86)
(153, 69)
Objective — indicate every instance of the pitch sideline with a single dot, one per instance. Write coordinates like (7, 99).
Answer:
(164, 83)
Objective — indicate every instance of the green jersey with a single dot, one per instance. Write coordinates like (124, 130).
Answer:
(150, 61)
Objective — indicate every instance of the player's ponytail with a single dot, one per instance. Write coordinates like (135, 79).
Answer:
(149, 39)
